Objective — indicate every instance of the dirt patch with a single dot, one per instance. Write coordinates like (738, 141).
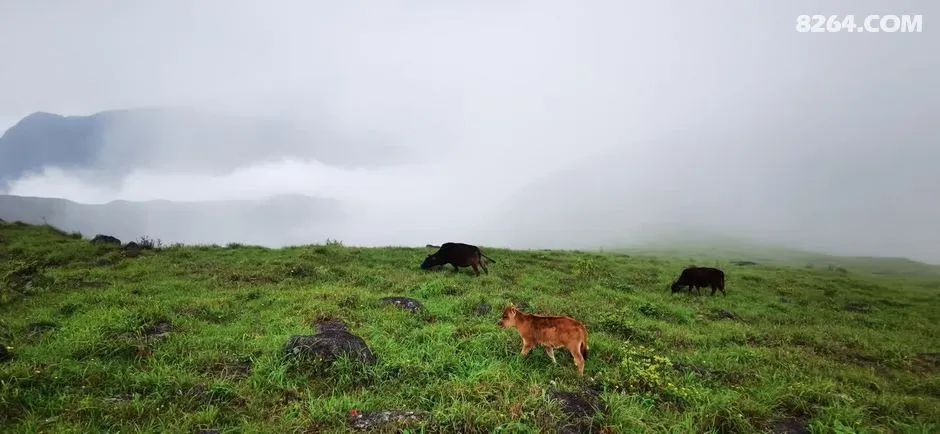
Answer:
(482, 309)
(580, 409)
(289, 398)
(329, 325)
(23, 277)
(725, 314)
(158, 330)
(926, 362)
(384, 420)
(576, 404)
(231, 369)
(791, 425)
(40, 327)
(69, 309)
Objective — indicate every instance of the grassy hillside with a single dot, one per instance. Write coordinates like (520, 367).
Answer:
(740, 250)
(191, 338)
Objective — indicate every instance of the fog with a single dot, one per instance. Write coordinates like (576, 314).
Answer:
(518, 124)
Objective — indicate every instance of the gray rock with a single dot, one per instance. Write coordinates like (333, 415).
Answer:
(105, 239)
(131, 249)
(410, 304)
(331, 342)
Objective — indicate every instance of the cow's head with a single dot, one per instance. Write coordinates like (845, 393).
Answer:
(431, 261)
(509, 317)
(676, 287)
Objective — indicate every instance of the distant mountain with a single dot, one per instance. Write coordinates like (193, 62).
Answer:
(276, 221)
(116, 142)
(45, 139)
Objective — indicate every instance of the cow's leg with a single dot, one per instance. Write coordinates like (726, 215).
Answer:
(475, 263)
(456, 269)
(575, 350)
(483, 266)
(551, 354)
(526, 347)
(714, 288)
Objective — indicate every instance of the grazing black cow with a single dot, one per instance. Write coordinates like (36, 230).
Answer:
(458, 255)
(700, 277)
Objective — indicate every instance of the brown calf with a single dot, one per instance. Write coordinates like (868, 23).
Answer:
(550, 332)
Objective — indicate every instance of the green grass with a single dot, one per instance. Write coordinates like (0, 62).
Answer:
(732, 250)
(844, 351)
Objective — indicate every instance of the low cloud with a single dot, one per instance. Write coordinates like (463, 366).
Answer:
(546, 124)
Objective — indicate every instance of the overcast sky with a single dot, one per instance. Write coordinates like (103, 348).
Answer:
(527, 124)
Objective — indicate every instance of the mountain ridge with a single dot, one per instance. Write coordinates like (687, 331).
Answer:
(271, 221)
(178, 139)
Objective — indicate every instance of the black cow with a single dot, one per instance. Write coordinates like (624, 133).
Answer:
(458, 255)
(700, 277)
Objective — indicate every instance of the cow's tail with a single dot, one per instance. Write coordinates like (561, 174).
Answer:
(722, 281)
(487, 257)
(584, 349)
